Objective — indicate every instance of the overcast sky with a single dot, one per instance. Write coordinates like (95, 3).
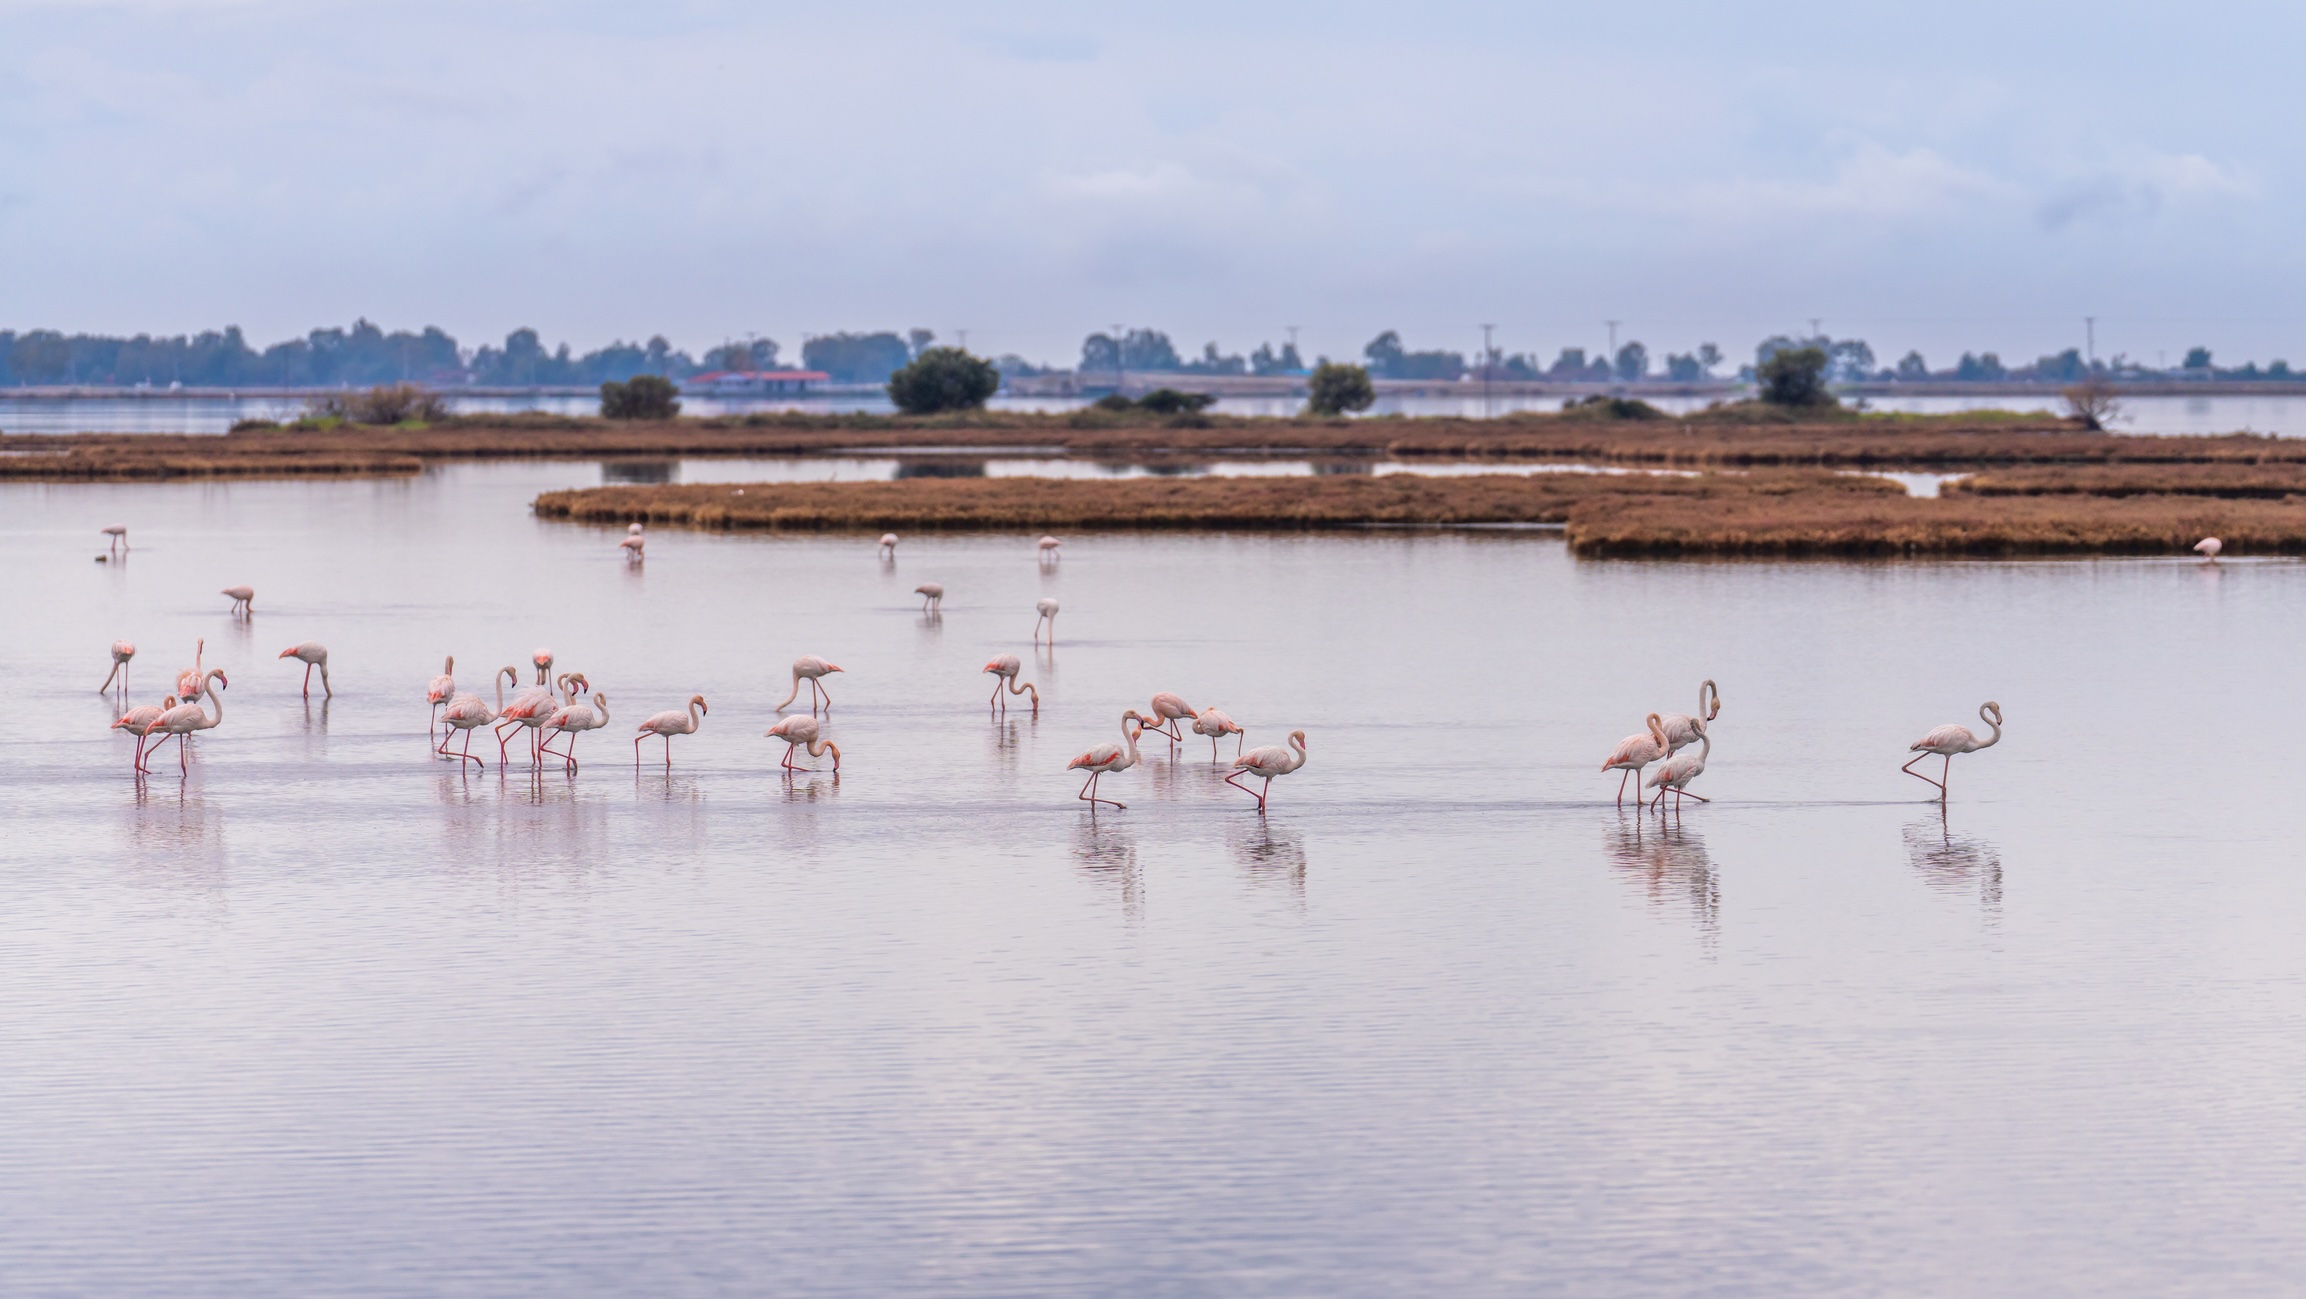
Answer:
(1936, 176)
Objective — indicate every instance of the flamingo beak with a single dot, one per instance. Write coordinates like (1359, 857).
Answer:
(287, 652)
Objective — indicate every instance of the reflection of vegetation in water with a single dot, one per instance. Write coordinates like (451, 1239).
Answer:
(1344, 468)
(1173, 468)
(940, 467)
(640, 473)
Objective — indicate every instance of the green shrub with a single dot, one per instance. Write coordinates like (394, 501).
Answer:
(1795, 376)
(387, 403)
(1169, 401)
(1600, 407)
(644, 396)
(1337, 389)
(943, 378)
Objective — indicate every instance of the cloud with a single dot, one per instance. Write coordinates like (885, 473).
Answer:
(2139, 189)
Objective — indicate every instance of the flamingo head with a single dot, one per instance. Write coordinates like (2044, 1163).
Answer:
(221, 679)
(1996, 710)
(288, 653)
(699, 701)
(832, 667)
(542, 658)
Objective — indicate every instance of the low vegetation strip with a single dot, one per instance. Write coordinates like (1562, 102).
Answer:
(2226, 481)
(1819, 524)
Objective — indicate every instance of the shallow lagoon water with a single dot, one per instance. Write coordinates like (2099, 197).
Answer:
(330, 1017)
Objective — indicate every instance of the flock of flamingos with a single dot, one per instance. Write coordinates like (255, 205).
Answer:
(566, 706)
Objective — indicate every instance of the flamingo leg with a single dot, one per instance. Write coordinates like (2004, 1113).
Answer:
(1235, 781)
(1089, 792)
(1909, 770)
(1621, 779)
(1945, 775)
(308, 681)
(668, 753)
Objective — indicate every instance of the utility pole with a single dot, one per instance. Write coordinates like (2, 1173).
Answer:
(1488, 354)
(1120, 363)
(1817, 327)
(964, 338)
(1613, 324)
(1292, 338)
(2090, 334)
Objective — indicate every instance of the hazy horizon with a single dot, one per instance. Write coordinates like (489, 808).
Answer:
(1962, 178)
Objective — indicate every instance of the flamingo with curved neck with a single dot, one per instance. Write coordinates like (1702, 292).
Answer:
(669, 724)
(1108, 758)
(1005, 668)
(805, 731)
(1677, 771)
(1635, 752)
(469, 712)
(186, 718)
(1683, 729)
(1270, 761)
(1951, 739)
(813, 670)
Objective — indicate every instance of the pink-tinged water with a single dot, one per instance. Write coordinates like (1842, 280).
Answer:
(329, 1017)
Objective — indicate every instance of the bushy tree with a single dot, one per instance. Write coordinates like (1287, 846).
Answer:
(857, 358)
(1389, 359)
(644, 396)
(2093, 402)
(1632, 363)
(1337, 388)
(1794, 376)
(943, 378)
(1912, 367)
(2198, 358)
(1169, 401)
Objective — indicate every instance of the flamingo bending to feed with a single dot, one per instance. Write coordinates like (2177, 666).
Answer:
(669, 724)
(1168, 710)
(188, 679)
(1213, 722)
(312, 654)
(441, 690)
(243, 599)
(1677, 771)
(1006, 667)
(803, 730)
(122, 651)
(183, 720)
(1107, 758)
(1046, 606)
(139, 719)
(118, 533)
(1635, 752)
(1952, 739)
(633, 543)
(543, 660)
(888, 545)
(531, 707)
(1270, 761)
(469, 712)
(932, 596)
(2208, 548)
(813, 670)
(1683, 730)
(1048, 549)
(573, 719)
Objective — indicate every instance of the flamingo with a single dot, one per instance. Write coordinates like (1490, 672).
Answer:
(1006, 667)
(571, 720)
(2208, 548)
(118, 532)
(243, 599)
(188, 679)
(932, 597)
(1109, 758)
(1951, 739)
(1678, 770)
(1213, 722)
(543, 660)
(1635, 752)
(1047, 607)
(812, 669)
(531, 707)
(137, 719)
(1683, 730)
(804, 730)
(312, 654)
(122, 651)
(1270, 761)
(442, 689)
(1168, 710)
(632, 543)
(668, 725)
(1048, 549)
(469, 712)
(183, 720)
(888, 545)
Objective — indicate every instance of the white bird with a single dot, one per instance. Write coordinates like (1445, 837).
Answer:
(1635, 752)
(573, 719)
(932, 596)
(1683, 730)
(888, 545)
(1270, 761)
(188, 679)
(1005, 667)
(1168, 710)
(312, 654)
(441, 690)
(1951, 739)
(1106, 758)
(243, 599)
(1048, 548)
(186, 718)
(469, 712)
(118, 532)
(804, 730)
(1213, 722)
(122, 651)
(633, 543)
(1677, 771)
(813, 670)
(543, 660)
(669, 724)
(136, 721)
(2208, 548)
(1047, 607)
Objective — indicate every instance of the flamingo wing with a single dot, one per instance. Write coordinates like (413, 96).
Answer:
(1945, 739)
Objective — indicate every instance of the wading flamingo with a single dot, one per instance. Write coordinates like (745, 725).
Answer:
(1006, 667)
(888, 545)
(1213, 722)
(119, 534)
(633, 543)
(543, 660)
(140, 718)
(1047, 549)
(312, 654)
(572, 720)
(1168, 710)
(1952, 739)
(1676, 772)
(469, 712)
(243, 599)
(122, 651)
(1108, 758)
(188, 679)
(1681, 729)
(668, 725)
(1270, 761)
(804, 730)
(441, 690)
(2208, 548)
(1046, 606)
(813, 670)
(932, 596)
(184, 719)
(1635, 752)
(529, 709)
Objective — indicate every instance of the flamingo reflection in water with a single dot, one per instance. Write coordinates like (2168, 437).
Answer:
(1669, 863)
(1953, 863)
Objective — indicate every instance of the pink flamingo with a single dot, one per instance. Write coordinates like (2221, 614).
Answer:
(183, 720)
(529, 709)
(119, 534)
(1635, 752)
(633, 543)
(1683, 730)
(312, 654)
(2208, 548)
(888, 545)
(441, 690)
(469, 712)
(668, 725)
(543, 660)
(1006, 667)
(1168, 710)
(813, 670)
(1047, 547)
(1046, 606)
(138, 719)
(1270, 761)
(188, 679)
(1213, 722)
(243, 599)
(932, 597)
(1951, 739)
(1677, 771)
(1107, 758)
(573, 720)
(122, 651)
(804, 730)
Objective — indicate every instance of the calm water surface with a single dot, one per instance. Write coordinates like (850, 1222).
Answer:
(329, 1017)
